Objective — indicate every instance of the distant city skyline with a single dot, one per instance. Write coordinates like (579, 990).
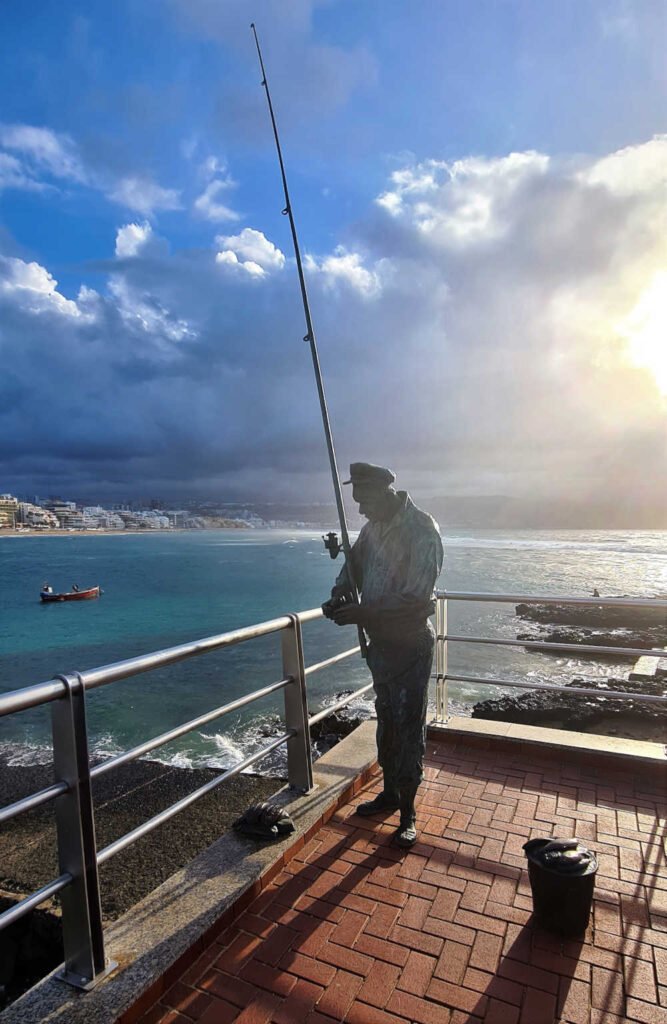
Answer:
(481, 195)
(454, 511)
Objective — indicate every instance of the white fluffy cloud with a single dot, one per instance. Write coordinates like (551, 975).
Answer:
(632, 170)
(32, 288)
(227, 258)
(530, 373)
(14, 174)
(132, 239)
(144, 314)
(208, 205)
(144, 196)
(346, 268)
(42, 150)
(250, 250)
(463, 202)
(33, 158)
(497, 323)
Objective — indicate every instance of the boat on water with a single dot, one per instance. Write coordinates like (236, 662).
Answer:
(47, 594)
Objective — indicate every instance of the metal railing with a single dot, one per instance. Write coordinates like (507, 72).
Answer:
(78, 856)
(443, 638)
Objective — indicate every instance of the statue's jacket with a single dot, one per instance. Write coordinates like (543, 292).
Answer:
(396, 564)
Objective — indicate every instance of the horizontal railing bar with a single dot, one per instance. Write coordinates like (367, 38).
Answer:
(634, 652)
(331, 661)
(172, 655)
(180, 730)
(310, 615)
(29, 803)
(339, 704)
(605, 602)
(31, 696)
(147, 826)
(588, 692)
(44, 693)
(19, 910)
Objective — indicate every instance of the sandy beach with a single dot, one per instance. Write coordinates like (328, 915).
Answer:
(230, 524)
(88, 533)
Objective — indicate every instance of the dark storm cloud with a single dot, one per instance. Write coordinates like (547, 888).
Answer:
(125, 390)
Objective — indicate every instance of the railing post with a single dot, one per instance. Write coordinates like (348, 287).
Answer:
(441, 684)
(299, 756)
(83, 938)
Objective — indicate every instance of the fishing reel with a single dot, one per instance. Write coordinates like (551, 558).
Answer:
(332, 544)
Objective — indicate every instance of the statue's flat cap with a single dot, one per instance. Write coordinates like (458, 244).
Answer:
(365, 473)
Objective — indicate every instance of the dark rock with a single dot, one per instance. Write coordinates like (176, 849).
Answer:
(326, 733)
(270, 729)
(335, 726)
(324, 743)
(593, 615)
(644, 639)
(598, 713)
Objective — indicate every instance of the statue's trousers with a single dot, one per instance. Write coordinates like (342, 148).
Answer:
(401, 673)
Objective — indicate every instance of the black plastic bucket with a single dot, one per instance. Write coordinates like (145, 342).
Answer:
(562, 879)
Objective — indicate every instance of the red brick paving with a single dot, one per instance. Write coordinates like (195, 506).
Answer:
(352, 929)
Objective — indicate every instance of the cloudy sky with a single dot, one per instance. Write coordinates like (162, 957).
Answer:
(481, 194)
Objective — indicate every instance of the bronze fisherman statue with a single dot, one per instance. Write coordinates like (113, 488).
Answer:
(396, 561)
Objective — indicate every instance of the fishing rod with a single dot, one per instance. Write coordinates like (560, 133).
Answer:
(331, 541)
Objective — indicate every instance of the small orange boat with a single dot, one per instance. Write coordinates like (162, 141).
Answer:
(47, 594)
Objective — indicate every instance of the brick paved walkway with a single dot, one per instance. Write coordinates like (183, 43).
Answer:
(355, 930)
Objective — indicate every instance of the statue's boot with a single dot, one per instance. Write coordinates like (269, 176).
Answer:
(385, 802)
(406, 833)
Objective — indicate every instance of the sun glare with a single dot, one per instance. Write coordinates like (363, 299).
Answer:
(645, 330)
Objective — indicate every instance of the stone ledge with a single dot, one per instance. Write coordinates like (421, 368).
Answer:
(480, 732)
(159, 937)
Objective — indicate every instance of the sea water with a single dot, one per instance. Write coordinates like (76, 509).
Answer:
(163, 589)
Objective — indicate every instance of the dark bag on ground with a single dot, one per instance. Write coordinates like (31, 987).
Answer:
(264, 821)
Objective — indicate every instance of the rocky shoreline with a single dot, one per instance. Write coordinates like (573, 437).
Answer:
(594, 615)
(625, 719)
(642, 628)
(644, 639)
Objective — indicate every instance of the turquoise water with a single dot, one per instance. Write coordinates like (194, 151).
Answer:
(164, 589)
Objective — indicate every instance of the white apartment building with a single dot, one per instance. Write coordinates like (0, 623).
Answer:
(9, 508)
(98, 518)
(37, 518)
(144, 520)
